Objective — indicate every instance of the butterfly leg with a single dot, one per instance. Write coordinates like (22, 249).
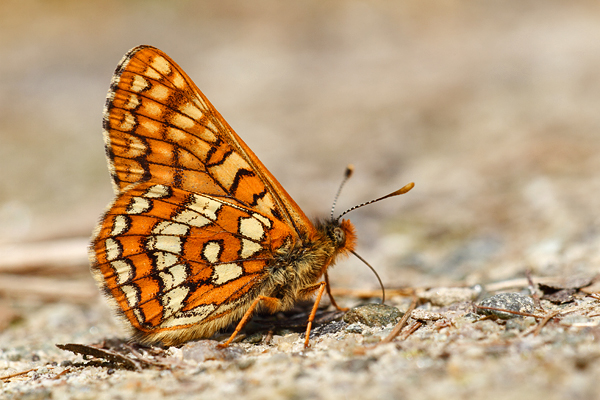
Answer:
(321, 288)
(271, 303)
(333, 302)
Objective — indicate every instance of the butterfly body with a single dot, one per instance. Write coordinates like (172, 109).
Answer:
(199, 228)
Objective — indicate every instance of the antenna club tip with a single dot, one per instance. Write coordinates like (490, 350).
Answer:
(408, 187)
(349, 171)
(404, 189)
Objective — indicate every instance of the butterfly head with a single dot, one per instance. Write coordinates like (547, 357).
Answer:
(341, 234)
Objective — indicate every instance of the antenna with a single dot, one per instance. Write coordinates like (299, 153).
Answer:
(376, 274)
(398, 192)
(347, 175)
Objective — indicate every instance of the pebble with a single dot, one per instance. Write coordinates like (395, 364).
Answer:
(255, 338)
(373, 315)
(507, 301)
(425, 315)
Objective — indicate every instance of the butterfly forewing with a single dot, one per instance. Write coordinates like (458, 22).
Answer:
(160, 127)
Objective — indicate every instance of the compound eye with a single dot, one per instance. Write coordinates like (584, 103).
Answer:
(339, 236)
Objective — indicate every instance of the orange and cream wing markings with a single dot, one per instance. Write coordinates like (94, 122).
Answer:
(158, 125)
(167, 253)
(200, 231)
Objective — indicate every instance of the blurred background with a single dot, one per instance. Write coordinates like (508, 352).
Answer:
(492, 108)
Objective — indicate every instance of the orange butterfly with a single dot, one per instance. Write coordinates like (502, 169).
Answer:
(200, 233)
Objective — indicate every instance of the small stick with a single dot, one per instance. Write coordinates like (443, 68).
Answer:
(64, 372)
(412, 329)
(6, 377)
(543, 322)
(534, 295)
(269, 336)
(396, 331)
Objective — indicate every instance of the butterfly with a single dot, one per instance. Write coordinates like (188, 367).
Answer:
(200, 234)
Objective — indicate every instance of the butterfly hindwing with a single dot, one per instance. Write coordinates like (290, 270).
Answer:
(171, 258)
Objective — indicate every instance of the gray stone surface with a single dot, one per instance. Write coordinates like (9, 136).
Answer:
(373, 315)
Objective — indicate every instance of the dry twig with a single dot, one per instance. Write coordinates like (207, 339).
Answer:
(396, 331)
(8, 377)
(543, 322)
(533, 291)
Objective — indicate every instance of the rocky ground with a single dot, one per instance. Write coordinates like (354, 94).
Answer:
(447, 351)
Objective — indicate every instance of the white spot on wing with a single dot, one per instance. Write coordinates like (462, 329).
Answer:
(139, 83)
(138, 205)
(173, 299)
(266, 221)
(171, 244)
(189, 317)
(113, 249)
(192, 111)
(165, 260)
(138, 315)
(152, 109)
(251, 228)
(226, 272)
(131, 294)
(170, 228)
(223, 171)
(191, 218)
(120, 225)
(182, 121)
(159, 92)
(249, 248)
(128, 121)
(266, 203)
(135, 147)
(175, 276)
(178, 81)
(123, 271)
(205, 206)
(161, 65)
(157, 191)
(151, 73)
(211, 251)
(132, 102)
(176, 135)
(151, 126)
